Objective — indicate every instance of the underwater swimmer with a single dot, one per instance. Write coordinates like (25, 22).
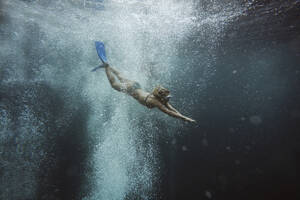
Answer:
(159, 97)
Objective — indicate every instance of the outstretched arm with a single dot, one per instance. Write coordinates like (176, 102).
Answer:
(173, 113)
(171, 107)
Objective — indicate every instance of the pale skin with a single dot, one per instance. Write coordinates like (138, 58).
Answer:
(127, 86)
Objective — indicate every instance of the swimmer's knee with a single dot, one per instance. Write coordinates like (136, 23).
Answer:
(116, 86)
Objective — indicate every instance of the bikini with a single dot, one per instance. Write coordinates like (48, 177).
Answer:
(149, 106)
(136, 86)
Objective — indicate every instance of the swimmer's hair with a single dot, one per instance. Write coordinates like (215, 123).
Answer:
(161, 94)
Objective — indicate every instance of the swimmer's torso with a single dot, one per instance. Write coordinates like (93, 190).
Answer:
(142, 97)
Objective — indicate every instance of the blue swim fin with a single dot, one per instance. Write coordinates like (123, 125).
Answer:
(100, 66)
(101, 51)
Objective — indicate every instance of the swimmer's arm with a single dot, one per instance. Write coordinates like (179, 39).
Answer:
(171, 107)
(173, 113)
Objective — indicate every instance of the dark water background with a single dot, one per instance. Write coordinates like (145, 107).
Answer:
(246, 144)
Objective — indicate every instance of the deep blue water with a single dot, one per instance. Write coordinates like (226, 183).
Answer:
(233, 66)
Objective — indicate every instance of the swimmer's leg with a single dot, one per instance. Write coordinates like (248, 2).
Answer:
(114, 84)
(100, 66)
(119, 76)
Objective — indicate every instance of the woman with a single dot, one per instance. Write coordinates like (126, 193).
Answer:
(159, 97)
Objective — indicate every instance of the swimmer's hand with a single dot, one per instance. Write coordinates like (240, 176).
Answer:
(189, 120)
(172, 112)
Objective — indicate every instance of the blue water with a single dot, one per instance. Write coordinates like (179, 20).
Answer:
(66, 134)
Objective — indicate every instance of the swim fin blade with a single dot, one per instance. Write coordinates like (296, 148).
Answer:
(100, 66)
(101, 51)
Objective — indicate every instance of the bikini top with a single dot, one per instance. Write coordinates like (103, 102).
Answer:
(149, 106)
